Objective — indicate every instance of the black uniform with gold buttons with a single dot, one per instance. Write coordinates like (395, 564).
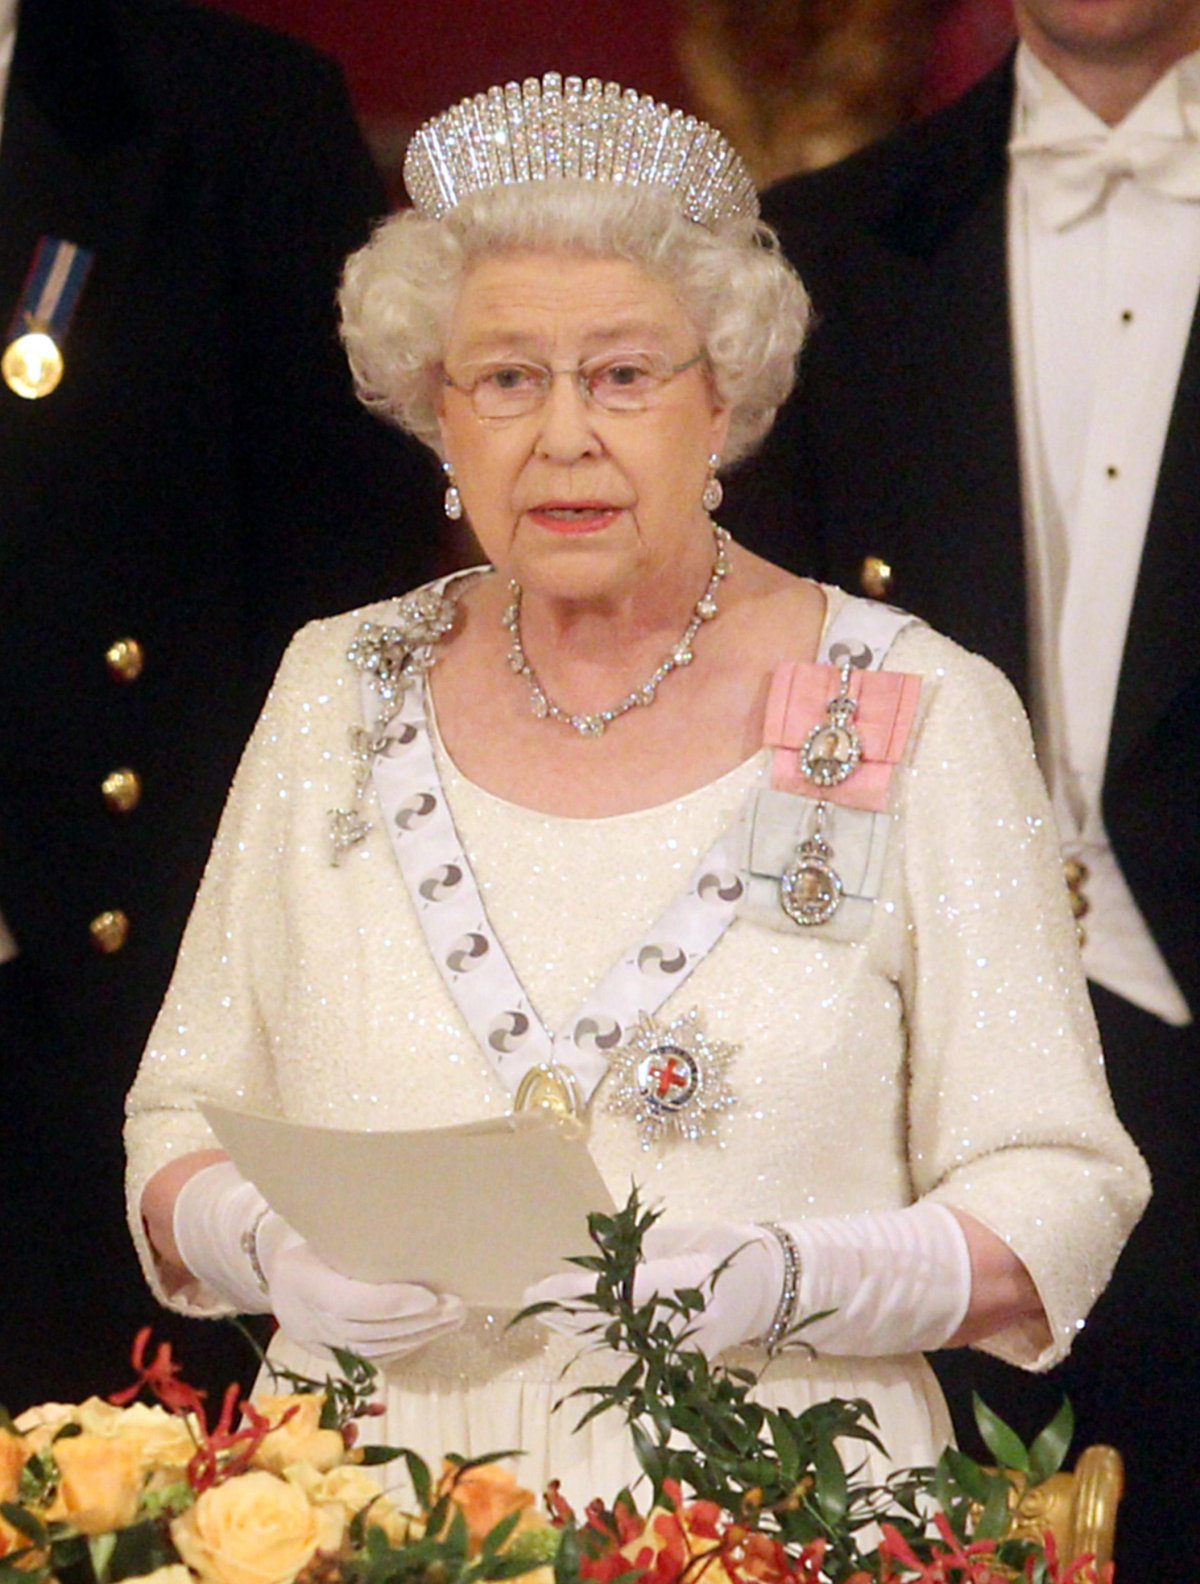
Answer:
(199, 483)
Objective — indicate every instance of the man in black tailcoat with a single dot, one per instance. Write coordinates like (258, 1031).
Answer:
(200, 483)
(998, 427)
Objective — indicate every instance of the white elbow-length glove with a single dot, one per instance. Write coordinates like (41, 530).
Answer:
(895, 1281)
(230, 1238)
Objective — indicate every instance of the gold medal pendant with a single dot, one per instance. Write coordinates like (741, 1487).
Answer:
(32, 365)
(548, 1087)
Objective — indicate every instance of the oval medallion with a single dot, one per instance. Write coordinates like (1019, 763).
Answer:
(32, 365)
(830, 753)
(810, 889)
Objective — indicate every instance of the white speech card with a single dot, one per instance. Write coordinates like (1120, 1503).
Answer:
(481, 1210)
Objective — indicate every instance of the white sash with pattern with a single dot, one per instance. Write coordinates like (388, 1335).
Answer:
(465, 947)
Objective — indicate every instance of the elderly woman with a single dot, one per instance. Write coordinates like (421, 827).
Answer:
(760, 879)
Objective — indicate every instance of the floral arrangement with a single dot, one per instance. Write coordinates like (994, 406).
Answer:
(277, 1491)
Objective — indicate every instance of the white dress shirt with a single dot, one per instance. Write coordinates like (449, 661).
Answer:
(8, 37)
(1102, 307)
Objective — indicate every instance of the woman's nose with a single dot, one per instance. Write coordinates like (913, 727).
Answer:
(567, 427)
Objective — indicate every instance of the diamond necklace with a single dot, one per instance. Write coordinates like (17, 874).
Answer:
(594, 725)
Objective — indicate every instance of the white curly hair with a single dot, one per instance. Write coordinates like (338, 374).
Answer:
(745, 302)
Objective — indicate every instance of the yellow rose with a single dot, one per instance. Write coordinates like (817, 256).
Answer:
(13, 1453)
(101, 1480)
(38, 1426)
(353, 1489)
(165, 1440)
(301, 1439)
(47, 1413)
(254, 1529)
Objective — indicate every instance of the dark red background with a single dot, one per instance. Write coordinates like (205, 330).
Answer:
(405, 62)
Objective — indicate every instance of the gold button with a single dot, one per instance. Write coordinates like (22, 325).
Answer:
(1075, 872)
(109, 931)
(125, 659)
(122, 791)
(875, 577)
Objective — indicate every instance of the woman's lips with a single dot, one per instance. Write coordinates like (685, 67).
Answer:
(575, 518)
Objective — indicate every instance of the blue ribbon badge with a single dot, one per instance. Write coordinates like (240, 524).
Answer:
(33, 363)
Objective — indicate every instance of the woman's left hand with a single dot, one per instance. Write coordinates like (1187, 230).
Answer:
(740, 1302)
(868, 1285)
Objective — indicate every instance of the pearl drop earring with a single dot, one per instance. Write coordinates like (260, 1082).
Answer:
(452, 504)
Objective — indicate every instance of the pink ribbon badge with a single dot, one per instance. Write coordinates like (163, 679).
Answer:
(799, 701)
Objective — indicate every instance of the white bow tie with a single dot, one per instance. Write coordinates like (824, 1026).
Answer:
(1067, 179)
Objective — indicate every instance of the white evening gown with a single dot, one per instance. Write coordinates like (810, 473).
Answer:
(948, 1053)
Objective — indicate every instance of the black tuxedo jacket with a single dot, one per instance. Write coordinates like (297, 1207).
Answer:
(901, 443)
(202, 481)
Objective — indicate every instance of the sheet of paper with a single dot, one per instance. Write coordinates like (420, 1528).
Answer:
(479, 1210)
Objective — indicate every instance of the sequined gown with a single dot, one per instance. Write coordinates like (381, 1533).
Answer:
(949, 1053)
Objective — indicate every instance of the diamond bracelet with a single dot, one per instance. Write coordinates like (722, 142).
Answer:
(785, 1313)
(249, 1245)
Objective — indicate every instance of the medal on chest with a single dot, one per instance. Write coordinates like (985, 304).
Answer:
(671, 1079)
(32, 364)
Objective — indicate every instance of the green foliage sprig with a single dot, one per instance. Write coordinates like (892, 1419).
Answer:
(791, 1476)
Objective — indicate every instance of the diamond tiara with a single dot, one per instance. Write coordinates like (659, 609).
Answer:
(562, 129)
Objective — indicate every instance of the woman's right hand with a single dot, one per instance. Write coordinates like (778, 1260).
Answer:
(211, 1226)
(321, 1310)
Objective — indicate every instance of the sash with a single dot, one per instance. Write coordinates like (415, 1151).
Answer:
(469, 956)
(732, 879)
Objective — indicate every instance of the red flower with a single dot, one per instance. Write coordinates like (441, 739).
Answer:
(221, 1453)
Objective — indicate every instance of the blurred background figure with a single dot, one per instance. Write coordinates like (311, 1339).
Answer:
(800, 83)
(998, 426)
(796, 83)
(185, 476)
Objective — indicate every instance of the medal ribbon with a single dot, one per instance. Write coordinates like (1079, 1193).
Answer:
(52, 289)
(862, 632)
(468, 953)
(854, 813)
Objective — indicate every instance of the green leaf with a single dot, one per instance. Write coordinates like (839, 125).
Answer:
(651, 1457)
(136, 1551)
(494, 1540)
(1001, 1440)
(418, 1473)
(531, 1311)
(832, 1489)
(457, 1539)
(371, 1456)
(566, 1558)
(24, 1522)
(463, 1465)
(508, 1566)
(12, 1570)
(994, 1521)
(967, 1474)
(1049, 1449)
